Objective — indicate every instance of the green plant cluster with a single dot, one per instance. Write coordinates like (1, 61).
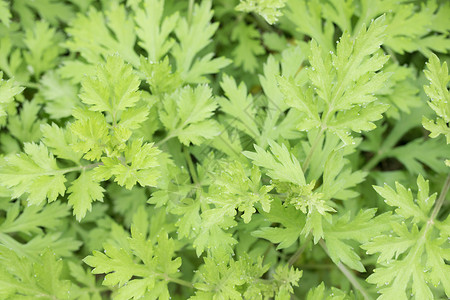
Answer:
(226, 149)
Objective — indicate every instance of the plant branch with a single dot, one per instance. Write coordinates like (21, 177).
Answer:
(349, 274)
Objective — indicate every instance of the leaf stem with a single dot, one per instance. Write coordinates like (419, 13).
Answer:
(168, 137)
(191, 166)
(190, 10)
(306, 162)
(180, 282)
(440, 200)
(373, 161)
(68, 170)
(311, 151)
(300, 250)
(262, 23)
(79, 168)
(392, 55)
(347, 273)
(30, 85)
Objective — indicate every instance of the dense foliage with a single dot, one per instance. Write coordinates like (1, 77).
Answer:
(253, 149)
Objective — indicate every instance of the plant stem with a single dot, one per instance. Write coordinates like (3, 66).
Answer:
(311, 151)
(392, 55)
(314, 145)
(168, 137)
(175, 280)
(262, 23)
(440, 200)
(30, 85)
(299, 252)
(373, 162)
(349, 274)
(191, 166)
(181, 282)
(190, 10)
(67, 170)
(318, 266)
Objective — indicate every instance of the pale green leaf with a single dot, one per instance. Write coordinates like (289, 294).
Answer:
(83, 191)
(114, 88)
(268, 9)
(280, 163)
(8, 89)
(154, 30)
(34, 173)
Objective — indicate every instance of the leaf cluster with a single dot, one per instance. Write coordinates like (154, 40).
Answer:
(251, 149)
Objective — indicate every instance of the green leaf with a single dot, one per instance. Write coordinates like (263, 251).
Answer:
(190, 219)
(83, 191)
(17, 282)
(5, 14)
(403, 199)
(410, 26)
(338, 179)
(8, 90)
(59, 94)
(301, 100)
(159, 76)
(238, 104)
(344, 83)
(143, 268)
(97, 35)
(287, 277)
(34, 173)
(431, 153)
(292, 221)
(113, 89)
(320, 293)
(437, 128)
(53, 11)
(306, 17)
(360, 228)
(33, 218)
(193, 37)
(25, 125)
(212, 235)
(439, 94)
(234, 190)
(248, 48)
(59, 141)
(89, 288)
(268, 9)
(91, 130)
(187, 115)
(154, 30)
(218, 280)
(281, 164)
(126, 202)
(400, 91)
(416, 242)
(139, 165)
(43, 52)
